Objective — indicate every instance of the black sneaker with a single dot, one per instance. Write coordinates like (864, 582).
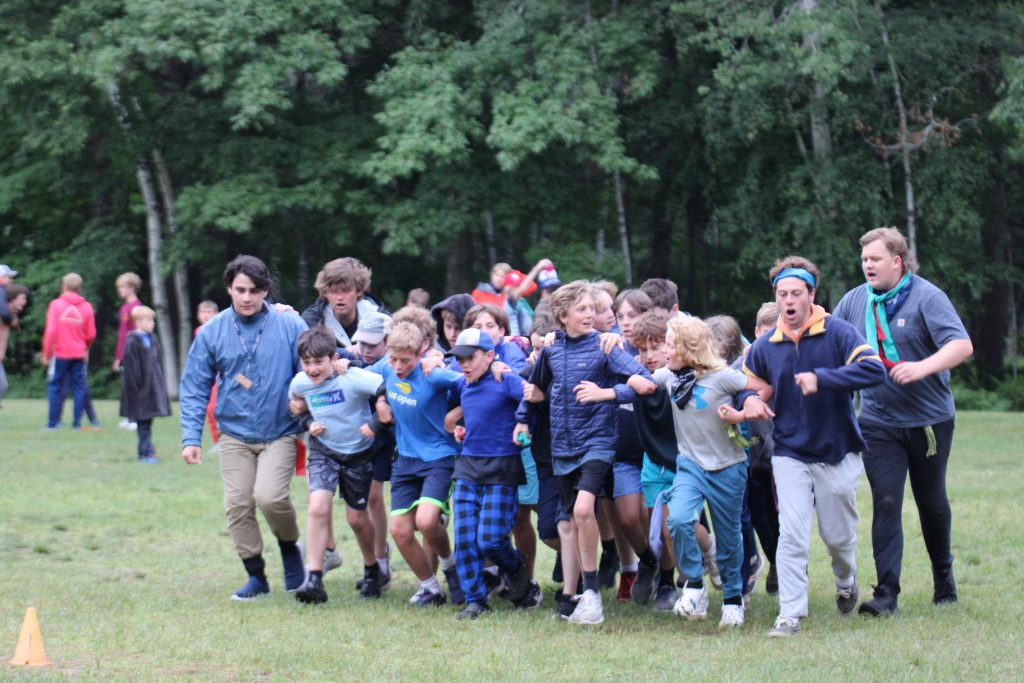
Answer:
(945, 585)
(882, 604)
(534, 597)
(425, 598)
(472, 610)
(565, 607)
(643, 585)
(607, 568)
(846, 598)
(369, 587)
(451, 577)
(518, 583)
(771, 582)
(493, 583)
(312, 591)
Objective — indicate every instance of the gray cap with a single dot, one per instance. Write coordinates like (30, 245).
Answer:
(5, 271)
(372, 329)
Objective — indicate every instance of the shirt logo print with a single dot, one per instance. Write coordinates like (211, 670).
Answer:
(404, 387)
(698, 393)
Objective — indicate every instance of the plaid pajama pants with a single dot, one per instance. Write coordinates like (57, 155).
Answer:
(484, 517)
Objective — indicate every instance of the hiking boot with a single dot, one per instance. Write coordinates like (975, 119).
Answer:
(370, 586)
(666, 597)
(711, 565)
(882, 604)
(607, 568)
(427, 598)
(253, 589)
(732, 617)
(944, 585)
(294, 566)
(626, 581)
(472, 611)
(451, 577)
(332, 559)
(518, 583)
(312, 591)
(589, 610)
(771, 582)
(643, 587)
(692, 605)
(846, 598)
(784, 627)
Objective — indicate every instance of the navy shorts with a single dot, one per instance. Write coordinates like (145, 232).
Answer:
(350, 474)
(415, 481)
(383, 457)
(549, 508)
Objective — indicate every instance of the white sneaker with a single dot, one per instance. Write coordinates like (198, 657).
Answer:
(589, 609)
(127, 424)
(732, 616)
(785, 627)
(332, 559)
(692, 604)
(711, 565)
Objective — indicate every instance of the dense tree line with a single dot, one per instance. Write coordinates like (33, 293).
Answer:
(694, 139)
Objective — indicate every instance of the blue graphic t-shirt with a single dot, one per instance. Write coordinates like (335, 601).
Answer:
(341, 404)
(419, 404)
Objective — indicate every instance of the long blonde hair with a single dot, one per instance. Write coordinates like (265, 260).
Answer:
(695, 345)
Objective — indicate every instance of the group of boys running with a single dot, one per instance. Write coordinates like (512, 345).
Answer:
(613, 416)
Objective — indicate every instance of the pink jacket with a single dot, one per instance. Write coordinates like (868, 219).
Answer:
(70, 327)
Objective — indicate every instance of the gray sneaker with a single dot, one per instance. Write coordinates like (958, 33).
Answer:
(666, 598)
(643, 585)
(332, 559)
(785, 627)
(846, 598)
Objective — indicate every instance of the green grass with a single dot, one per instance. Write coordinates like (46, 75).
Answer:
(130, 568)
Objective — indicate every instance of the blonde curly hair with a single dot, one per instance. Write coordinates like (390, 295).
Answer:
(695, 345)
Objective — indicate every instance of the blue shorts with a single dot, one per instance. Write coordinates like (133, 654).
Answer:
(627, 479)
(383, 457)
(654, 479)
(415, 481)
(529, 493)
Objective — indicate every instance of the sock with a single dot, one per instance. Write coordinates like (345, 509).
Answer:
(666, 577)
(695, 583)
(371, 569)
(847, 582)
(329, 549)
(384, 565)
(647, 557)
(738, 601)
(590, 582)
(287, 547)
(623, 568)
(446, 562)
(608, 546)
(318, 573)
(255, 567)
(431, 584)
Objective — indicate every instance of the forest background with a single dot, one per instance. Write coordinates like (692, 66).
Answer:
(695, 140)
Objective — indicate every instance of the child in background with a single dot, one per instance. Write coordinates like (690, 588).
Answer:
(128, 286)
(205, 312)
(143, 389)
(487, 475)
(709, 467)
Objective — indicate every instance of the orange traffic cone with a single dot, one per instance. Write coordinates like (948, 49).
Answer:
(30, 651)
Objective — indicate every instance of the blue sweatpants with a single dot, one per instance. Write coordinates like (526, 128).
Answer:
(484, 516)
(723, 490)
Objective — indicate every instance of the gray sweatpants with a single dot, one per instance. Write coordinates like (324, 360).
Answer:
(802, 488)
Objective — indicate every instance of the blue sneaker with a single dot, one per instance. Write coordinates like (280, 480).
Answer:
(149, 459)
(294, 567)
(252, 590)
(451, 577)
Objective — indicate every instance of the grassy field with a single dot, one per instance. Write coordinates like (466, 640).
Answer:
(130, 568)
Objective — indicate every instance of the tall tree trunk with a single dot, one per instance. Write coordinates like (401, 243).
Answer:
(904, 137)
(154, 241)
(620, 206)
(179, 275)
(492, 252)
(459, 270)
(303, 279)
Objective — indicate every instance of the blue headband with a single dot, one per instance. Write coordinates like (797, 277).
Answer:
(795, 272)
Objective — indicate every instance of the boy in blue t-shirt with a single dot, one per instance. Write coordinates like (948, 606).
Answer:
(421, 479)
(487, 474)
(340, 456)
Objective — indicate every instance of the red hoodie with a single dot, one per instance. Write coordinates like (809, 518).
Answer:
(70, 327)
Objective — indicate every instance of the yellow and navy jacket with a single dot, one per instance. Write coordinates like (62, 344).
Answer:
(821, 427)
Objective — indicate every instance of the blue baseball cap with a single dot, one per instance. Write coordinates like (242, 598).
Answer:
(471, 339)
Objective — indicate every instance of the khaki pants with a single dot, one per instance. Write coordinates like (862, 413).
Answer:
(258, 474)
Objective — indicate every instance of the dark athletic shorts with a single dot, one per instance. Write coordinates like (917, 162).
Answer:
(589, 476)
(350, 474)
(415, 481)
